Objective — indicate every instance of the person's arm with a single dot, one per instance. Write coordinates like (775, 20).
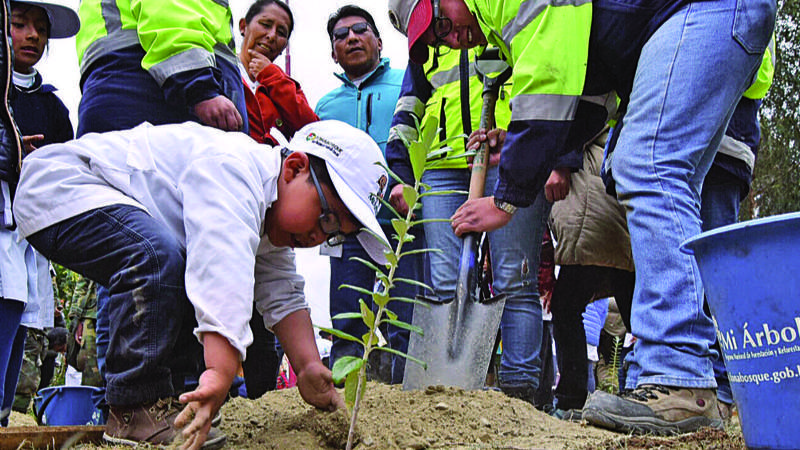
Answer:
(414, 93)
(314, 380)
(179, 38)
(202, 404)
(286, 96)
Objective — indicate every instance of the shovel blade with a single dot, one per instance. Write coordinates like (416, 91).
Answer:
(457, 344)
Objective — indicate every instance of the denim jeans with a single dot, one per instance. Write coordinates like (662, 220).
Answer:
(720, 206)
(691, 73)
(12, 345)
(515, 252)
(345, 271)
(150, 318)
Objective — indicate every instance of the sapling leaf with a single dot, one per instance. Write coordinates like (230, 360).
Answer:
(356, 288)
(406, 326)
(365, 262)
(340, 334)
(391, 208)
(410, 195)
(420, 250)
(380, 299)
(366, 314)
(365, 339)
(410, 300)
(350, 388)
(421, 221)
(404, 355)
(346, 315)
(344, 366)
(414, 282)
(390, 314)
(400, 226)
(443, 192)
(408, 238)
(391, 258)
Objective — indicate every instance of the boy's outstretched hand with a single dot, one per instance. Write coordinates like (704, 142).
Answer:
(315, 384)
(222, 361)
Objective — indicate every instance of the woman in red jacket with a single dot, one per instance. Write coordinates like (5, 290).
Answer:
(273, 98)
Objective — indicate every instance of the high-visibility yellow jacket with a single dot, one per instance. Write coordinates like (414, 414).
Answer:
(177, 35)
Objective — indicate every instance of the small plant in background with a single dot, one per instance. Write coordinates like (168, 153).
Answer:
(353, 370)
(612, 376)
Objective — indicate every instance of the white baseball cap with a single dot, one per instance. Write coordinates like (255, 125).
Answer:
(352, 159)
(64, 21)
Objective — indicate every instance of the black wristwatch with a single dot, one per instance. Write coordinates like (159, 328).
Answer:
(505, 206)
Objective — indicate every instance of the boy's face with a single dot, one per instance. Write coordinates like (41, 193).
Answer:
(29, 35)
(293, 220)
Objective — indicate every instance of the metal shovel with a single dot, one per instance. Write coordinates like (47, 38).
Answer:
(460, 332)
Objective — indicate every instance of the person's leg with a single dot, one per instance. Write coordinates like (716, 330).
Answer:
(573, 291)
(543, 399)
(720, 206)
(29, 373)
(345, 300)
(261, 366)
(411, 267)
(143, 266)
(515, 251)
(10, 353)
(690, 75)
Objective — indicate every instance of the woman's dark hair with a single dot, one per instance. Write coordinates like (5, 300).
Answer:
(259, 6)
(27, 7)
(349, 11)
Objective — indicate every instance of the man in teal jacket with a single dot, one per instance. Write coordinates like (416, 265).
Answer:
(679, 68)
(366, 99)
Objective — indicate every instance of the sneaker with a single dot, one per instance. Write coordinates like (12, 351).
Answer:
(569, 415)
(153, 424)
(654, 409)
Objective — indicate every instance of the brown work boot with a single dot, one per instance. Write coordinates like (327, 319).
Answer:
(654, 409)
(152, 423)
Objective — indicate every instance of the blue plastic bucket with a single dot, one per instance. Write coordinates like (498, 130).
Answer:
(751, 275)
(67, 405)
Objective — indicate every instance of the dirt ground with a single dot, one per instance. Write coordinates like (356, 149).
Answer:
(445, 418)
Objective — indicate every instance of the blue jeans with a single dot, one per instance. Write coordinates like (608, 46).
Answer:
(150, 318)
(12, 346)
(691, 73)
(344, 271)
(515, 252)
(720, 206)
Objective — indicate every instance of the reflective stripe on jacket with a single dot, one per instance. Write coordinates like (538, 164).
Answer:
(177, 35)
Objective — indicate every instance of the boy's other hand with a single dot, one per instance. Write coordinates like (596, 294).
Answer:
(315, 383)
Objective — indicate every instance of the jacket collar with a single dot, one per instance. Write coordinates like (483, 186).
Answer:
(383, 66)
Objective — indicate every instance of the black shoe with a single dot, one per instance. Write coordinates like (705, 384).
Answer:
(569, 415)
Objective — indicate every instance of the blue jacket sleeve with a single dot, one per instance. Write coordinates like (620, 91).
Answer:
(416, 89)
(193, 86)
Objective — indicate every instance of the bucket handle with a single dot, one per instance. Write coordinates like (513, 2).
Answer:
(40, 413)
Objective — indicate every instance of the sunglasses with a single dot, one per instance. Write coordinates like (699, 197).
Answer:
(343, 32)
(327, 220)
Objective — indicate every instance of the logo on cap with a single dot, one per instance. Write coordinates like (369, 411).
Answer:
(324, 143)
(374, 198)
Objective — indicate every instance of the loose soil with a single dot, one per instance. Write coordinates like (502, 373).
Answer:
(439, 418)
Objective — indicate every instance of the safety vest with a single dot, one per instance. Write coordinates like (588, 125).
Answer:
(176, 35)
(547, 44)
(766, 71)
(445, 103)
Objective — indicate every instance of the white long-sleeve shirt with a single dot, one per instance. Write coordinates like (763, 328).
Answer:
(210, 188)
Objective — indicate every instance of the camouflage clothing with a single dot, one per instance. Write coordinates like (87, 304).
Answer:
(29, 374)
(83, 313)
